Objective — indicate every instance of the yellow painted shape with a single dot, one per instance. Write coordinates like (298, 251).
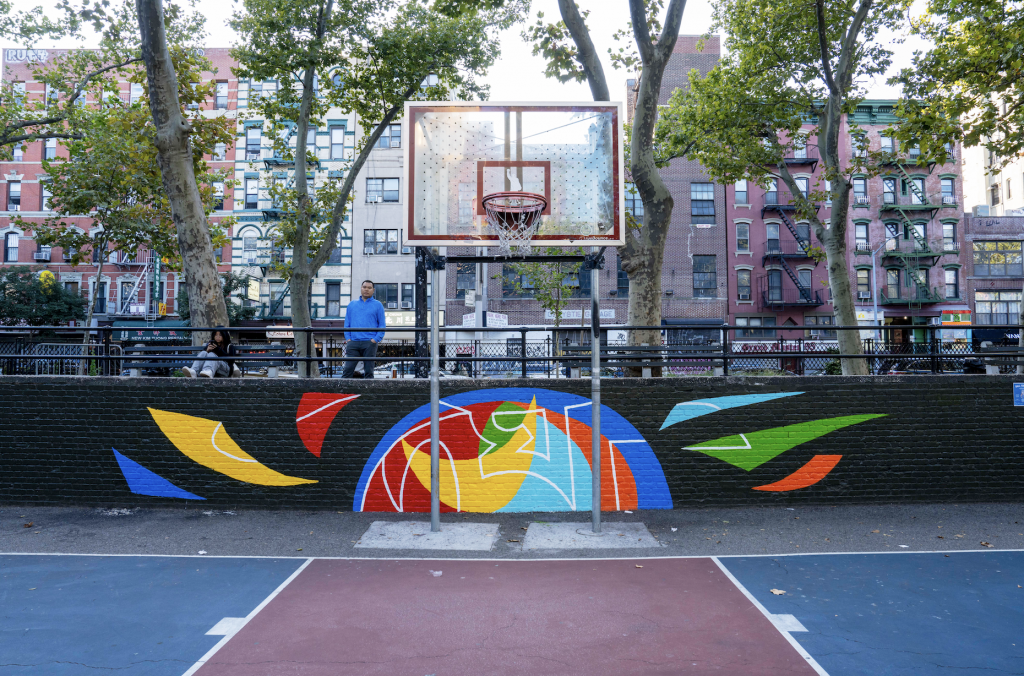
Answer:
(484, 484)
(206, 442)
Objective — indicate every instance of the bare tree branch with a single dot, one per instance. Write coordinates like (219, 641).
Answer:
(587, 55)
(826, 59)
(844, 71)
(673, 19)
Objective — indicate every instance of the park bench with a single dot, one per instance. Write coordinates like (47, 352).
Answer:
(160, 358)
(270, 357)
(1002, 356)
(646, 357)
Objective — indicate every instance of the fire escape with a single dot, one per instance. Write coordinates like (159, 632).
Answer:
(913, 255)
(780, 252)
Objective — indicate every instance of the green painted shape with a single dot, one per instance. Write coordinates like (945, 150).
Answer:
(499, 437)
(766, 444)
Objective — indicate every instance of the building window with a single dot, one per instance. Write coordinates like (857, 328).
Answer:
(380, 242)
(741, 191)
(622, 279)
(19, 153)
(44, 195)
(804, 278)
(863, 283)
(918, 233)
(127, 297)
(391, 137)
(705, 277)
(771, 237)
(996, 307)
(220, 152)
(222, 96)
(743, 284)
(887, 144)
(859, 143)
(337, 143)
(1009, 189)
(408, 296)
(892, 283)
(917, 195)
(860, 191)
(702, 203)
(71, 287)
(50, 149)
(997, 259)
(249, 250)
(949, 237)
(382, 190)
(101, 298)
(218, 195)
(742, 237)
(332, 299)
(771, 193)
(465, 279)
(252, 143)
(888, 191)
(800, 149)
(995, 194)
(252, 192)
(952, 283)
(14, 196)
(861, 233)
(11, 247)
(949, 196)
(818, 320)
(513, 284)
(753, 322)
(634, 205)
(775, 285)
(803, 185)
(134, 93)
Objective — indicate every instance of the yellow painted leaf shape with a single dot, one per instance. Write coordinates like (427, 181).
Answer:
(486, 483)
(206, 442)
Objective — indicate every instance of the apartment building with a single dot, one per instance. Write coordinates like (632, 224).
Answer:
(905, 229)
(993, 272)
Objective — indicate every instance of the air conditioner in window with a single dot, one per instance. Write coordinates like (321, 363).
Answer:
(392, 305)
(406, 304)
(42, 256)
(864, 295)
(744, 296)
(368, 250)
(948, 199)
(379, 199)
(860, 200)
(407, 249)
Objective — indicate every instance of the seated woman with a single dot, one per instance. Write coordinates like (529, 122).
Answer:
(219, 346)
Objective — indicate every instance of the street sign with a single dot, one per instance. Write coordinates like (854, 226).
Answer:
(1018, 394)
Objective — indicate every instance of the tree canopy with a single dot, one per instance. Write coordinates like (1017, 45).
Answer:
(28, 297)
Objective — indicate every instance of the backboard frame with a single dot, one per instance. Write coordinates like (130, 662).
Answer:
(414, 109)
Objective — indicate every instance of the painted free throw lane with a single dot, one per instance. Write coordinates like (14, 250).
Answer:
(484, 617)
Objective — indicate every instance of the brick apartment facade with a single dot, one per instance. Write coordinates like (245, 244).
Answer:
(993, 271)
(910, 218)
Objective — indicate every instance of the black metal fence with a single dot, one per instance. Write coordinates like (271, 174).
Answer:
(550, 352)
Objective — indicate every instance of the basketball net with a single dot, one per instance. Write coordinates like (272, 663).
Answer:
(514, 217)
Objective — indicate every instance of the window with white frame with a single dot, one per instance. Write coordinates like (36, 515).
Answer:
(250, 244)
(818, 333)
(332, 298)
(218, 195)
(408, 296)
(861, 230)
(996, 307)
(803, 184)
(252, 193)
(949, 242)
(888, 191)
(863, 283)
(742, 237)
(134, 93)
(917, 195)
(337, 143)
(771, 238)
(755, 325)
(391, 137)
(741, 191)
(221, 102)
(382, 190)
(220, 152)
(50, 149)
(19, 153)
(14, 195)
(634, 205)
(702, 203)
(949, 190)
(743, 285)
(860, 191)
(44, 195)
(379, 242)
(253, 137)
(952, 283)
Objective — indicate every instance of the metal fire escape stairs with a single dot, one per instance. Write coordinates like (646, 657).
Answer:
(914, 262)
(140, 277)
(803, 244)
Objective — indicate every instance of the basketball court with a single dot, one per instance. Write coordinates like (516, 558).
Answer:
(886, 613)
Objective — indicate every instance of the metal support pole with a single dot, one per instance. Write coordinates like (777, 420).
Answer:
(522, 351)
(595, 397)
(435, 407)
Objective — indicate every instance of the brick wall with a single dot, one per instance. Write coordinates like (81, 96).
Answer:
(941, 439)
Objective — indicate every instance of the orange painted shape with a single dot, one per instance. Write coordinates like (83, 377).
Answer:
(814, 471)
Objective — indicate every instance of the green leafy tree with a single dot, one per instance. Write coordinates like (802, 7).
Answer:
(368, 57)
(233, 283)
(788, 63)
(28, 297)
(547, 283)
(970, 86)
(571, 55)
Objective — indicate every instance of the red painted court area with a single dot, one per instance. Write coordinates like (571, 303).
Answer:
(645, 616)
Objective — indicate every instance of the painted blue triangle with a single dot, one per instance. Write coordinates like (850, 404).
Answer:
(141, 481)
(694, 409)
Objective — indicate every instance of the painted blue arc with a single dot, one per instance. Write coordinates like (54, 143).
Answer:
(694, 409)
(142, 481)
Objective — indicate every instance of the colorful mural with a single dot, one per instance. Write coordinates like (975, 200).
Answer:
(206, 442)
(142, 481)
(513, 450)
(315, 415)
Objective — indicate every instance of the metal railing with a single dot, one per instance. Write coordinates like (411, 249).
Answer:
(550, 352)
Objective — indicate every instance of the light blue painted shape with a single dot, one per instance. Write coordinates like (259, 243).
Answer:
(538, 495)
(142, 481)
(694, 409)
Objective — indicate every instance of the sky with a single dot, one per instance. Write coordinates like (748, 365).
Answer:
(519, 75)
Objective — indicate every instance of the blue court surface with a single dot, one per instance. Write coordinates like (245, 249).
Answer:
(852, 614)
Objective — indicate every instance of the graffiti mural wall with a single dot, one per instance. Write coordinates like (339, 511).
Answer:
(518, 447)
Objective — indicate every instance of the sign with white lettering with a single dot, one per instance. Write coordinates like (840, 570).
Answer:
(607, 313)
(1018, 394)
(25, 55)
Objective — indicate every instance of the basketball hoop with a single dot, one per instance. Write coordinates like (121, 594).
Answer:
(514, 217)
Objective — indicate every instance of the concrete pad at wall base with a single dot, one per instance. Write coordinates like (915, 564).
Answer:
(581, 536)
(417, 535)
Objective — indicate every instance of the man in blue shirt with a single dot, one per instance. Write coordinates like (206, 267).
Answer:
(365, 312)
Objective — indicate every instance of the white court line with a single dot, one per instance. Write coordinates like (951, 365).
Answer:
(768, 616)
(584, 558)
(220, 644)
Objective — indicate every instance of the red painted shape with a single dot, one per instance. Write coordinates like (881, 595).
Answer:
(560, 618)
(814, 471)
(315, 415)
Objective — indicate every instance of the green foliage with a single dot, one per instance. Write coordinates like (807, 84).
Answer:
(26, 297)
(236, 311)
(832, 367)
(970, 86)
(547, 283)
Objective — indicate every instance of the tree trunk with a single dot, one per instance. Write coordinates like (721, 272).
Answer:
(205, 290)
(300, 282)
(843, 308)
(92, 306)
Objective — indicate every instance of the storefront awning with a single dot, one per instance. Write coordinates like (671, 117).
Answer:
(162, 331)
